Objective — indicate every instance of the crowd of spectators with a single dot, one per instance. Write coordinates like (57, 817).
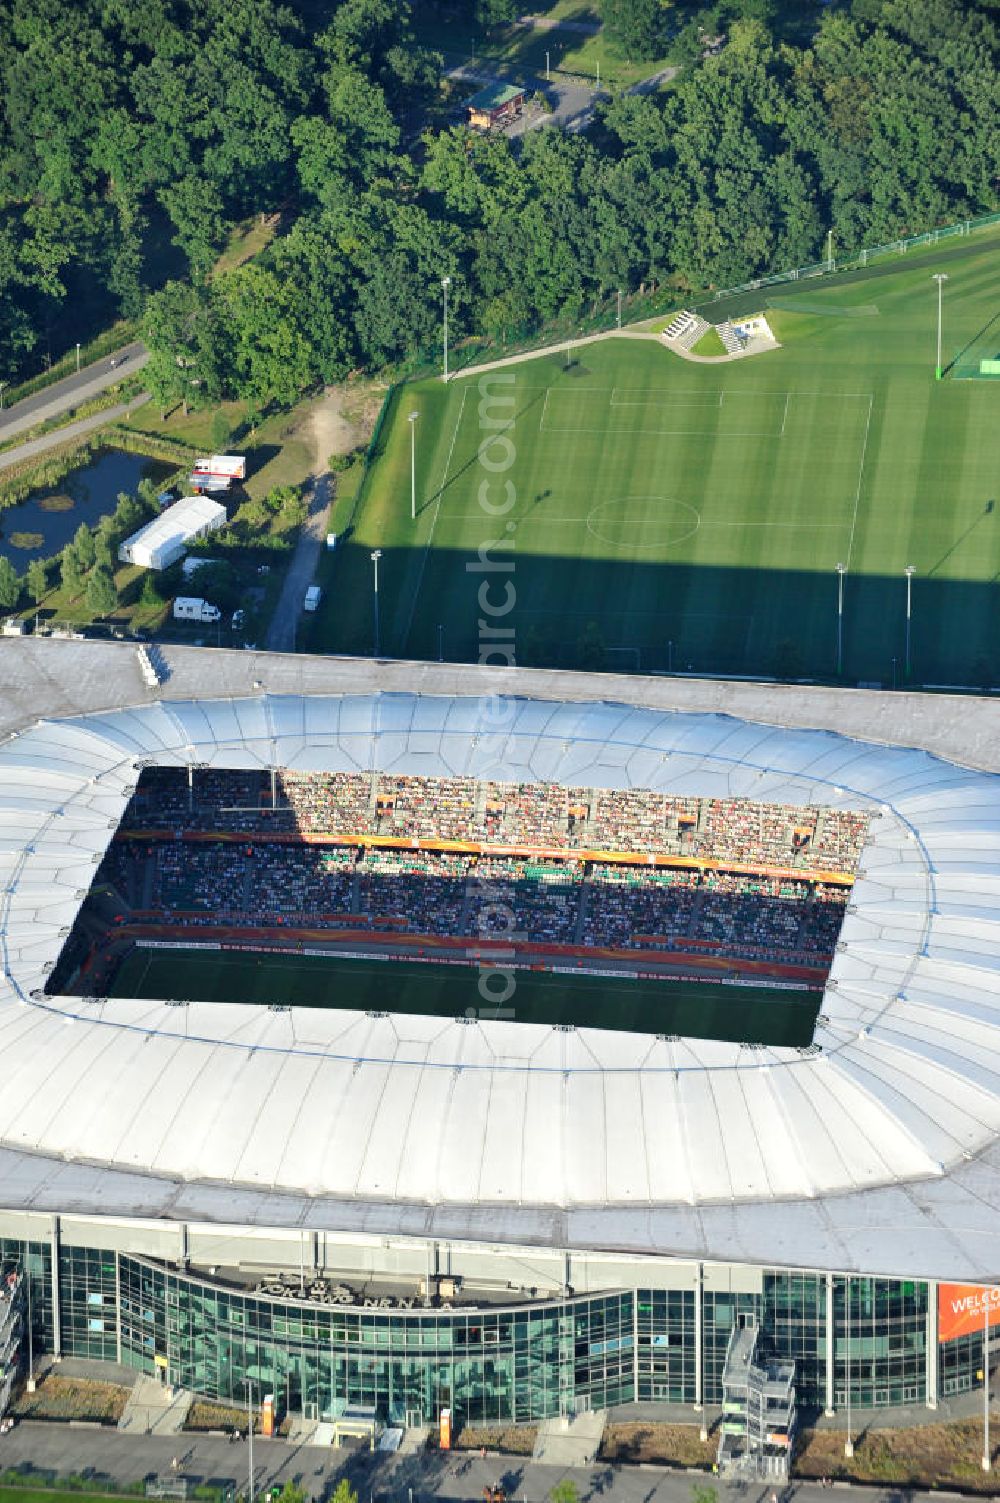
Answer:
(544, 816)
(466, 895)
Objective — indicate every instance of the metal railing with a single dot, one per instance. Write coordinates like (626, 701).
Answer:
(856, 260)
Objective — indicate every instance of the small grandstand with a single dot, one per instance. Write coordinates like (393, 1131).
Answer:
(398, 866)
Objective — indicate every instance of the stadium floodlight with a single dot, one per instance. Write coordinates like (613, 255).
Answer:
(376, 555)
(940, 277)
(445, 284)
(841, 571)
(412, 420)
(909, 571)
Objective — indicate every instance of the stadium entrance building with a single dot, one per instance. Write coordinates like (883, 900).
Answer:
(507, 1219)
(497, 1335)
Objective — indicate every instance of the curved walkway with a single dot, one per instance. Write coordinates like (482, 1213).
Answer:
(553, 349)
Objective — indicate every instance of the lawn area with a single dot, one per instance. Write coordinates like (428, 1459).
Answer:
(709, 344)
(663, 515)
(694, 1009)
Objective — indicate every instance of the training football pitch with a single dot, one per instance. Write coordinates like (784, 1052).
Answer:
(711, 1010)
(664, 515)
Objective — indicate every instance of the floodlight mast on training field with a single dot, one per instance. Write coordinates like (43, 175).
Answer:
(445, 284)
(413, 466)
(841, 571)
(940, 277)
(909, 571)
(376, 555)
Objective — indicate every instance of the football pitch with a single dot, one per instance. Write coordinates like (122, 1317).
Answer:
(711, 1010)
(624, 508)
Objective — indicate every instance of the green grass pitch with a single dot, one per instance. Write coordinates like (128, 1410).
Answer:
(714, 1010)
(696, 513)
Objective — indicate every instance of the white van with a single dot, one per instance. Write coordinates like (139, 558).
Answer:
(313, 596)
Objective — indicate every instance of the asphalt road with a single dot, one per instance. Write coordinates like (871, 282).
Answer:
(71, 391)
(378, 1479)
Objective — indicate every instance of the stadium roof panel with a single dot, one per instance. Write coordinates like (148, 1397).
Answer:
(878, 1150)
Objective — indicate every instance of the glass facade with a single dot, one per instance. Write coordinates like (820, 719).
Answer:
(491, 1364)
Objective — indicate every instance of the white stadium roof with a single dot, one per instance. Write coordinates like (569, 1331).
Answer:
(878, 1149)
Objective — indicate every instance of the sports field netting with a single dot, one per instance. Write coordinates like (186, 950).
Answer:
(661, 515)
(750, 1014)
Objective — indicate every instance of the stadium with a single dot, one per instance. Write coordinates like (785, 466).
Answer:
(510, 1217)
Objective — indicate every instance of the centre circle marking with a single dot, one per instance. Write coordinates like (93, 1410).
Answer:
(671, 524)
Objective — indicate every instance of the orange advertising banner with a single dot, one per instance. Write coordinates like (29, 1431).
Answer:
(962, 1309)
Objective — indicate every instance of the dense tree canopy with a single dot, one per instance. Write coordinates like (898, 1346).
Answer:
(128, 127)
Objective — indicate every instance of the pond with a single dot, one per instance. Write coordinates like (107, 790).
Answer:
(42, 525)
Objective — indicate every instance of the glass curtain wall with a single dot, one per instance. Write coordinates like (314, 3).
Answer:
(490, 1365)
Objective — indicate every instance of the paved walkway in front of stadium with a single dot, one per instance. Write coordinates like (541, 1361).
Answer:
(459, 1478)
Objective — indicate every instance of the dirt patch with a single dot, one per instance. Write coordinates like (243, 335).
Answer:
(72, 1398)
(922, 1456)
(56, 503)
(665, 1445)
(343, 419)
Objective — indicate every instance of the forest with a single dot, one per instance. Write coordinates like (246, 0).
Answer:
(136, 133)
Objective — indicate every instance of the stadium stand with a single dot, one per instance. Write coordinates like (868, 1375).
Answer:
(620, 870)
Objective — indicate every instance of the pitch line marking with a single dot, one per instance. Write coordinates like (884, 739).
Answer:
(669, 432)
(784, 415)
(861, 475)
(545, 406)
(527, 520)
(437, 509)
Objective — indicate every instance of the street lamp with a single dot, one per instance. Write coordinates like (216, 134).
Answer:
(413, 466)
(546, 65)
(78, 357)
(986, 1380)
(940, 277)
(848, 1443)
(909, 571)
(841, 571)
(376, 555)
(250, 1437)
(619, 307)
(440, 642)
(445, 284)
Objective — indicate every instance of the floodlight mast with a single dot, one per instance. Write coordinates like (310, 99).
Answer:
(376, 555)
(909, 571)
(841, 571)
(445, 284)
(940, 277)
(413, 466)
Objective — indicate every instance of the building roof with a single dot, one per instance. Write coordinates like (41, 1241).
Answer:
(877, 1149)
(177, 523)
(495, 95)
